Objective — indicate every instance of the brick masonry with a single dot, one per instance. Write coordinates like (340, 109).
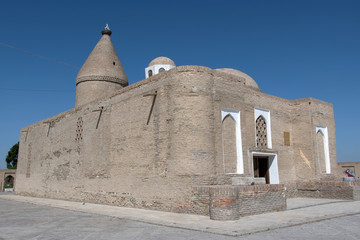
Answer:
(329, 189)
(112, 149)
(224, 202)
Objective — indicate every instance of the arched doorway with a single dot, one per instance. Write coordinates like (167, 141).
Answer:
(9, 182)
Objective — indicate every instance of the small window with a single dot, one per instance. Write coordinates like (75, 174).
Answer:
(161, 70)
(150, 73)
(287, 138)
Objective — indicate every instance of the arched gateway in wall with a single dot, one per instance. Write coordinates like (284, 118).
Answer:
(7, 178)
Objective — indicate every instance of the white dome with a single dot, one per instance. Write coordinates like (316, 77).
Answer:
(162, 61)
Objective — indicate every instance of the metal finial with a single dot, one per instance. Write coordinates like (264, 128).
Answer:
(107, 27)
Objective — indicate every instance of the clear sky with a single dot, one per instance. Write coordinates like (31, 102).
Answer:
(293, 49)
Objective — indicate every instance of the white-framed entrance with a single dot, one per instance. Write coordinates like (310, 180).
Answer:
(272, 165)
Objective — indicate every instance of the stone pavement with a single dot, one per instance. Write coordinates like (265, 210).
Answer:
(300, 211)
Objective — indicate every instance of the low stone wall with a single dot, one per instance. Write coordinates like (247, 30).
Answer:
(226, 202)
(329, 189)
(261, 198)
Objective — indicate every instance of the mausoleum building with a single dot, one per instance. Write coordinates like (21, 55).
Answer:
(187, 139)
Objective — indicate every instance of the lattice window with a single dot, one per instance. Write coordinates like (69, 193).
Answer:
(79, 129)
(261, 132)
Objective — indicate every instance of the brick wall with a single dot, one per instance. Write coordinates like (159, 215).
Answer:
(224, 203)
(230, 202)
(261, 198)
(356, 195)
(329, 189)
(119, 158)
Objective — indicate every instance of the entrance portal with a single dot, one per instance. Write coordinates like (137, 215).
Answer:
(261, 168)
(266, 165)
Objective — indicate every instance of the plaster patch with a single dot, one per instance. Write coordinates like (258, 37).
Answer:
(305, 159)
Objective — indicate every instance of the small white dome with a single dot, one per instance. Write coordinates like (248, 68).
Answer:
(162, 61)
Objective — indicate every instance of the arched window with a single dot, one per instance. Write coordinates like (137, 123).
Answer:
(261, 132)
(150, 73)
(161, 70)
(323, 155)
(320, 151)
(229, 144)
(231, 138)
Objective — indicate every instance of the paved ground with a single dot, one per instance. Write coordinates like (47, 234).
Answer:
(37, 218)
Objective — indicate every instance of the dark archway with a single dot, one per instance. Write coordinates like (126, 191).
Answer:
(9, 181)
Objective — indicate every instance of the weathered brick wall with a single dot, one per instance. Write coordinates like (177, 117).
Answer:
(300, 117)
(228, 202)
(356, 193)
(322, 114)
(229, 96)
(329, 189)
(224, 203)
(124, 161)
(291, 189)
(201, 199)
(308, 114)
(119, 159)
(261, 198)
(281, 121)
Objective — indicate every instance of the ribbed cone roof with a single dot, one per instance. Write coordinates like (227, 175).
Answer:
(103, 64)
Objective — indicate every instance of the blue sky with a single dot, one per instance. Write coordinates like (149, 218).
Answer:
(293, 49)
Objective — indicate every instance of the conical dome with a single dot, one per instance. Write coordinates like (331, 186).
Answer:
(102, 73)
(103, 64)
